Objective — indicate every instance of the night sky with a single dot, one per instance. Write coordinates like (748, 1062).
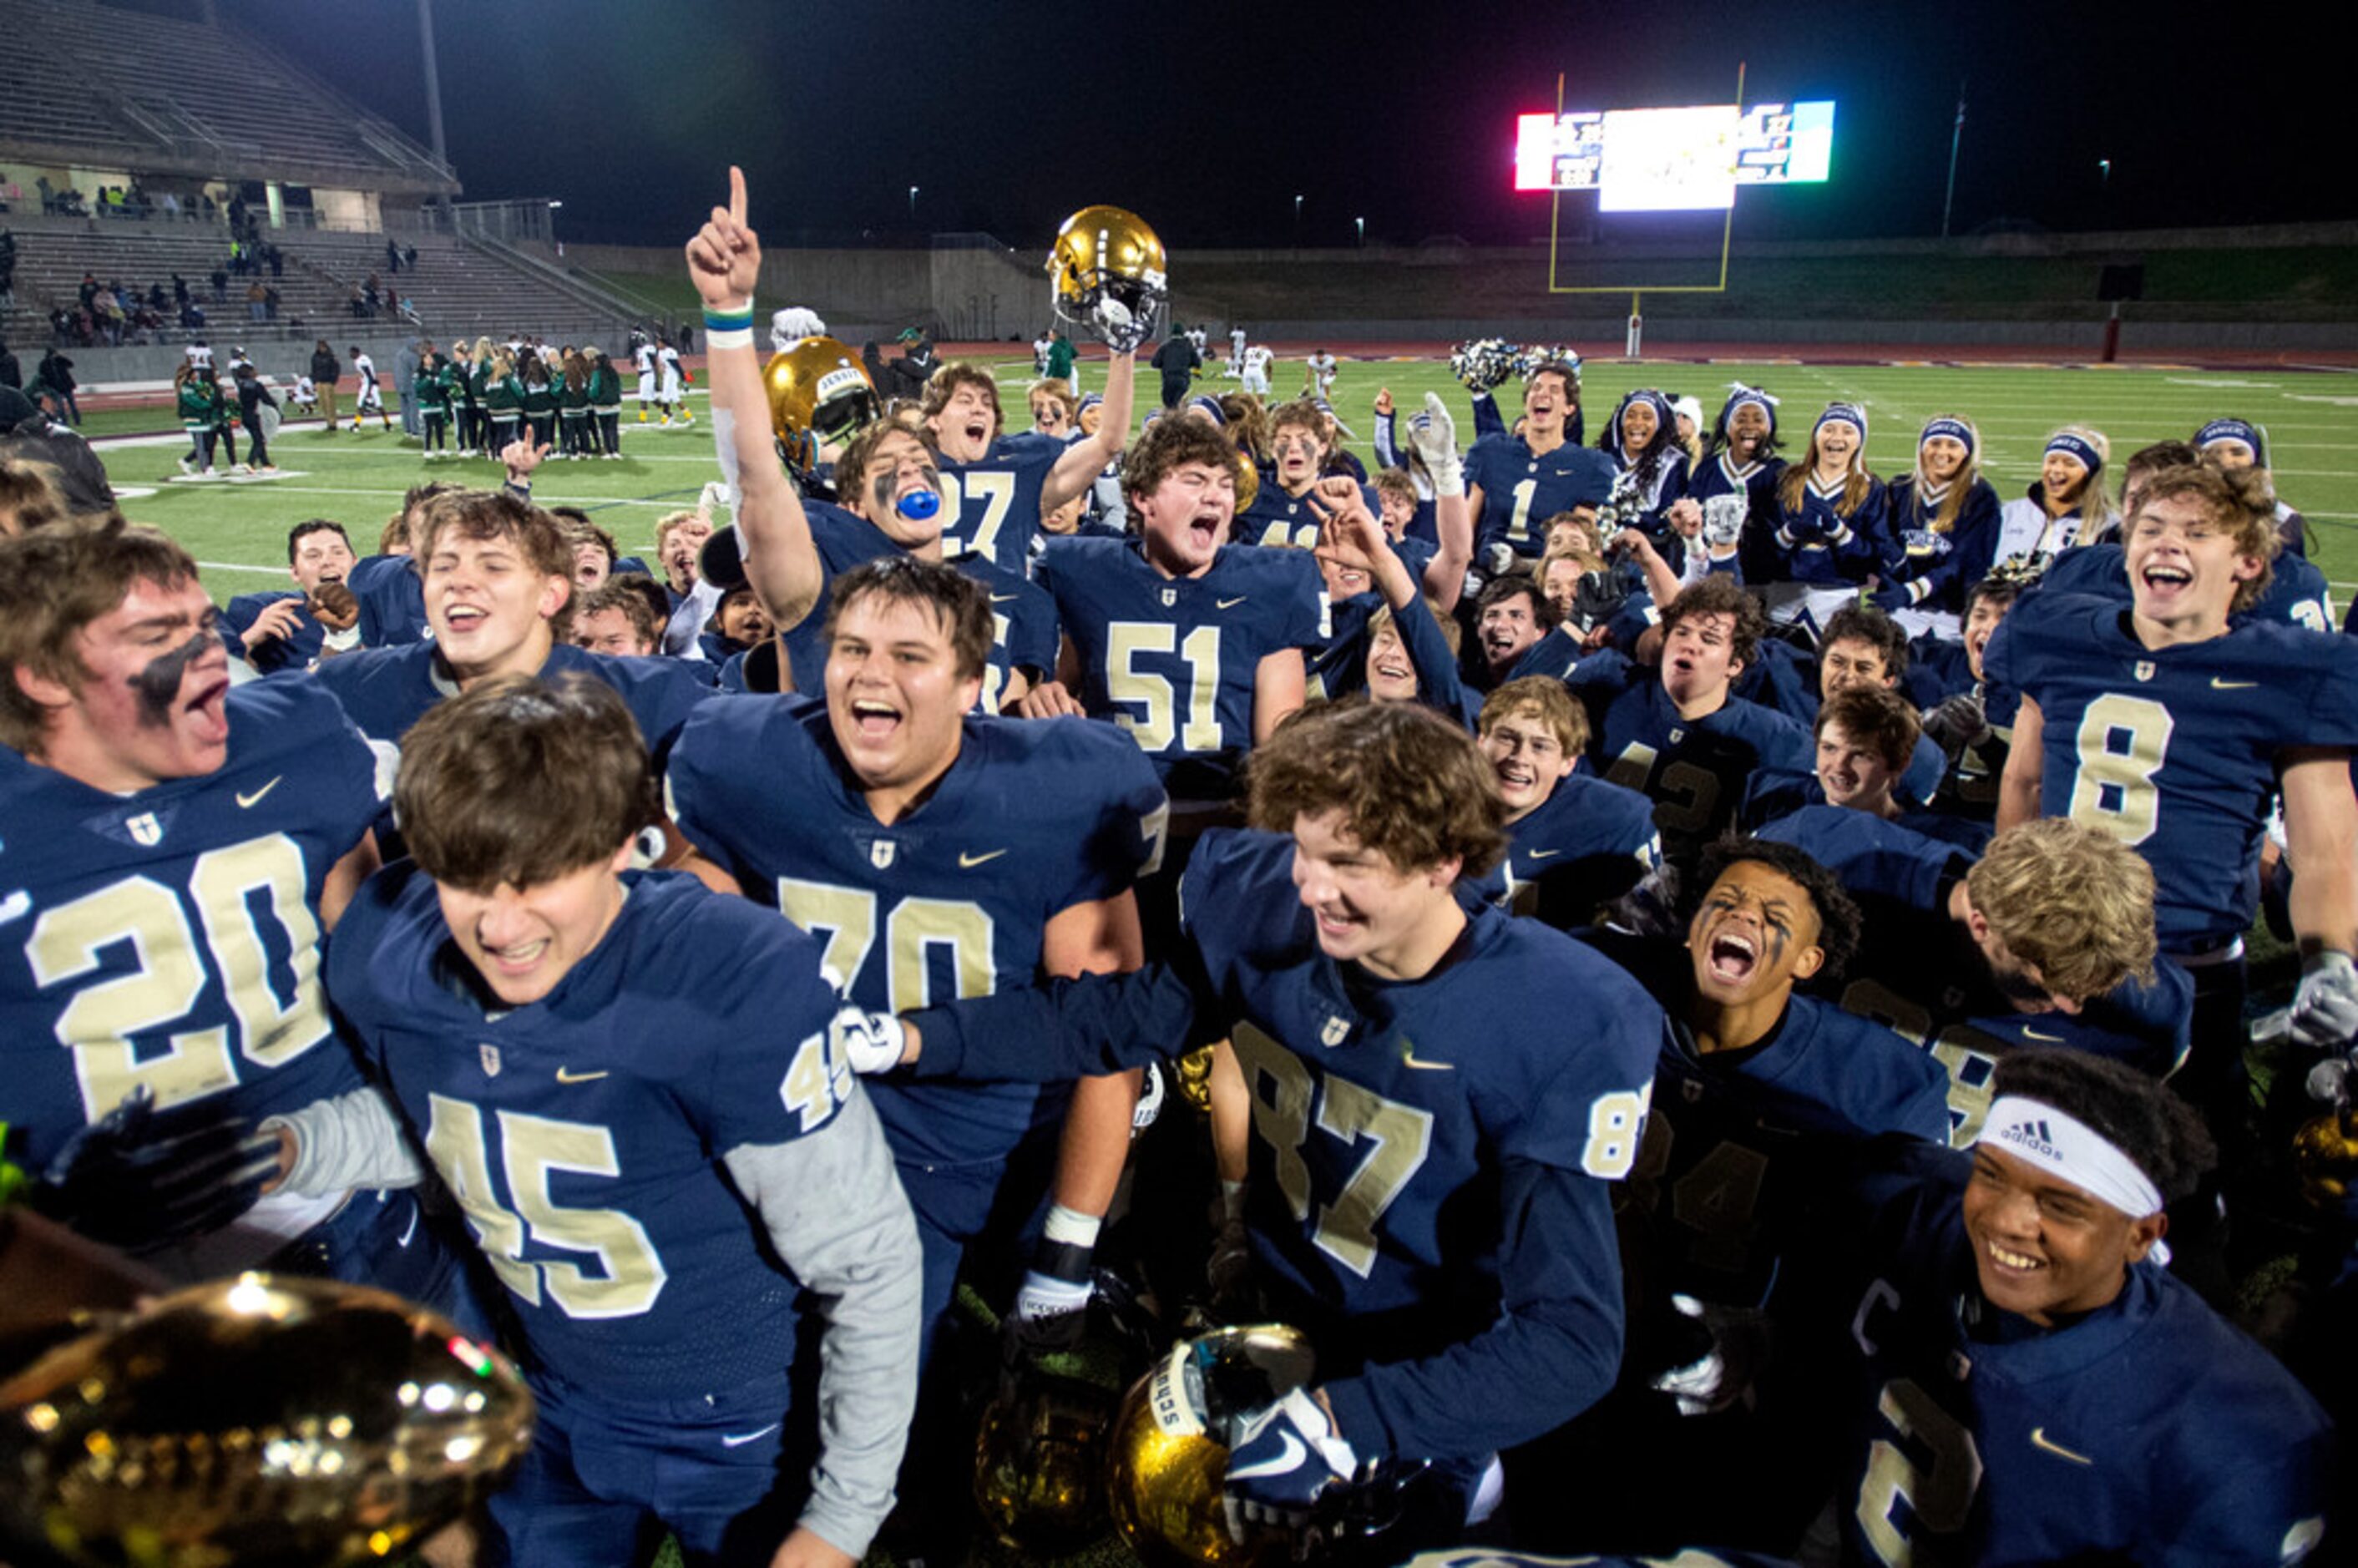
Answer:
(1208, 117)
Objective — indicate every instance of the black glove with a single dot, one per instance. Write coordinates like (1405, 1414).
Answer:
(138, 1177)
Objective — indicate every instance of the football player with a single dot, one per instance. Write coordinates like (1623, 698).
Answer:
(619, 1066)
(2027, 1383)
(497, 575)
(2045, 942)
(369, 395)
(901, 800)
(1430, 1190)
(618, 618)
(1193, 645)
(1409, 650)
(673, 393)
(175, 849)
(1760, 1093)
(1301, 439)
(1865, 737)
(643, 353)
(2170, 727)
(1574, 842)
(1676, 734)
(999, 486)
(1515, 479)
(278, 630)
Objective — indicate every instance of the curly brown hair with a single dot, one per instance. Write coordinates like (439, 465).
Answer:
(1410, 784)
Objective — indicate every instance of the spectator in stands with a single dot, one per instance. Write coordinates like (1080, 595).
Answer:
(220, 280)
(392, 257)
(180, 289)
(258, 301)
(12, 374)
(7, 270)
(409, 258)
(55, 375)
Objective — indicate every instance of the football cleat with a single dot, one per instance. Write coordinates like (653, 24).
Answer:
(820, 393)
(1106, 276)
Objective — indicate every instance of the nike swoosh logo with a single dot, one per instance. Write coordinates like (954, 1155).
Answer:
(2031, 1033)
(412, 1230)
(2219, 685)
(968, 862)
(2039, 1439)
(1005, 597)
(248, 801)
(1230, 604)
(740, 1440)
(1289, 1458)
(1407, 1059)
(1542, 854)
(15, 906)
(566, 1076)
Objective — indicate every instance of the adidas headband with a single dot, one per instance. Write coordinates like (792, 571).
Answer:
(2035, 1131)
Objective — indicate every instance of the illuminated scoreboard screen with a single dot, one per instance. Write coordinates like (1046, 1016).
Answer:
(1674, 160)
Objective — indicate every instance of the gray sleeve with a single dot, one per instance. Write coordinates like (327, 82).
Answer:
(835, 1212)
(351, 1140)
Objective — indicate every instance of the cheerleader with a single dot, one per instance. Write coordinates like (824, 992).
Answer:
(2065, 506)
(1829, 524)
(1943, 528)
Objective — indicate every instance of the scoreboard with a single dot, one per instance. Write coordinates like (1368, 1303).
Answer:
(1674, 160)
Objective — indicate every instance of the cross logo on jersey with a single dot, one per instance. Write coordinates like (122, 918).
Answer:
(1169, 597)
(2144, 669)
(1336, 1032)
(880, 854)
(491, 1059)
(145, 829)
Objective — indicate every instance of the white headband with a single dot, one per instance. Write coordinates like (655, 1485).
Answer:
(2030, 1130)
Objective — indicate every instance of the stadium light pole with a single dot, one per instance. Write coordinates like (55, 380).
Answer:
(1297, 223)
(913, 205)
(433, 93)
(554, 208)
(1956, 137)
(1362, 224)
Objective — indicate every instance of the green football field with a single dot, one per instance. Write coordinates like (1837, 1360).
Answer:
(239, 529)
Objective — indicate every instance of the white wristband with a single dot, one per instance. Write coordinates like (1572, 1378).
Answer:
(741, 338)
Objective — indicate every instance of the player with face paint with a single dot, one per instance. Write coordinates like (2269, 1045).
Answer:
(166, 831)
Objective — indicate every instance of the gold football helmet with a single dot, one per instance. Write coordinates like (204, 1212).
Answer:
(1039, 1463)
(820, 395)
(1170, 1451)
(1106, 276)
(257, 1420)
(1248, 482)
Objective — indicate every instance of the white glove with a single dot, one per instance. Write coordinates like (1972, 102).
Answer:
(867, 1041)
(1500, 558)
(1050, 1314)
(1435, 436)
(2325, 1008)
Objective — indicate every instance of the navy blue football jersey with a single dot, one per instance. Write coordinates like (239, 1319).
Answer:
(275, 654)
(2149, 1431)
(994, 504)
(170, 938)
(582, 1133)
(1694, 770)
(1521, 490)
(1025, 632)
(392, 597)
(386, 690)
(1432, 1159)
(2296, 593)
(1034, 816)
(1276, 518)
(842, 541)
(1172, 660)
(2173, 751)
(1739, 1142)
(1917, 972)
(1576, 851)
(1773, 794)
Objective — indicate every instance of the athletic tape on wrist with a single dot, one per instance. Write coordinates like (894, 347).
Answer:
(2070, 1149)
(730, 337)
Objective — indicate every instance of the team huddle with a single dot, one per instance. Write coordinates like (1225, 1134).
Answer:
(1715, 986)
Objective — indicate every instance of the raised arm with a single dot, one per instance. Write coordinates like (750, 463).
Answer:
(1079, 467)
(724, 262)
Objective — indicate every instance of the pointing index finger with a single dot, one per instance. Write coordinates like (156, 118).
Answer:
(737, 194)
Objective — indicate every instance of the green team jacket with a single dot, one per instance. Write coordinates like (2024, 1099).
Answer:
(196, 407)
(502, 395)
